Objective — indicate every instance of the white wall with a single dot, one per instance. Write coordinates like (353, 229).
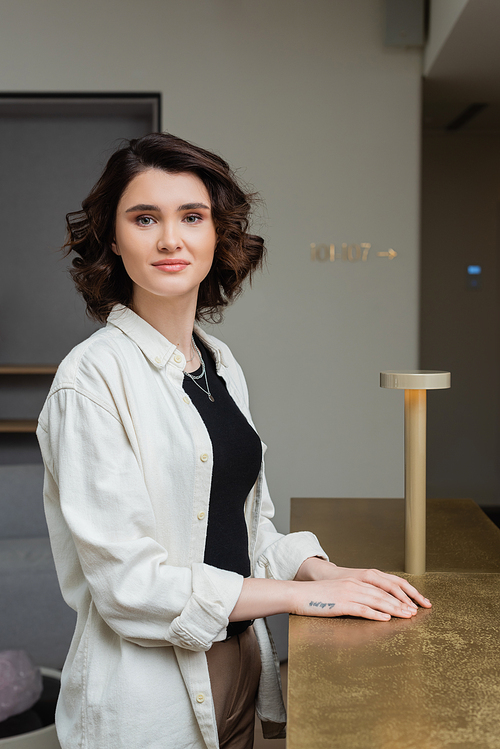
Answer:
(324, 122)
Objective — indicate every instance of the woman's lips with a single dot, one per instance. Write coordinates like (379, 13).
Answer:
(171, 266)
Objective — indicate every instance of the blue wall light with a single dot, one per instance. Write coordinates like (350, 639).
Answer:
(473, 276)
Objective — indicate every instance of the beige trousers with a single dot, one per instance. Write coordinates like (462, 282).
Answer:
(234, 667)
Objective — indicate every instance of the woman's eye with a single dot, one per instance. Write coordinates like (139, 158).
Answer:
(192, 219)
(144, 220)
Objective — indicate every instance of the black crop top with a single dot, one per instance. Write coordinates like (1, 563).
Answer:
(237, 452)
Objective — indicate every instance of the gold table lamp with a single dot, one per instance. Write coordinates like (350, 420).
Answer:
(415, 383)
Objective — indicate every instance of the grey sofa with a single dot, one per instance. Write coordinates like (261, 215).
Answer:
(33, 614)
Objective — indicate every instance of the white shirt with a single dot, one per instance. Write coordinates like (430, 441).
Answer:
(128, 465)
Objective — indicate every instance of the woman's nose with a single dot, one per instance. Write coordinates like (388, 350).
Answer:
(170, 239)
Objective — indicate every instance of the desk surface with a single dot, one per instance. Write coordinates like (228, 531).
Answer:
(370, 533)
(427, 683)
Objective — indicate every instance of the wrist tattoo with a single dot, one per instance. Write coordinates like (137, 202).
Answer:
(321, 605)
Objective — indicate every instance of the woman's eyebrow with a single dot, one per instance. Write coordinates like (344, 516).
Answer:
(148, 207)
(192, 206)
(143, 207)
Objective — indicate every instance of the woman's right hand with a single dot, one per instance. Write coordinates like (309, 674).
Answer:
(348, 596)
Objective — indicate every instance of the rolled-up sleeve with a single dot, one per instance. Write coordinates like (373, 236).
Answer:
(97, 496)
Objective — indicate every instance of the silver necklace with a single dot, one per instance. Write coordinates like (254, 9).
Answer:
(193, 351)
(203, 374)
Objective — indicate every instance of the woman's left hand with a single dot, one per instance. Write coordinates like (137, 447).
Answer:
(315, 568)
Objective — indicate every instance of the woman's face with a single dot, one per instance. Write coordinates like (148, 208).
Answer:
(165, 235)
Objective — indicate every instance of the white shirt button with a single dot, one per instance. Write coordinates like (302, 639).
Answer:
(201, 515)
(157, 359)
(204, 458)
(200, 698)
(186, 399)
(178, 358)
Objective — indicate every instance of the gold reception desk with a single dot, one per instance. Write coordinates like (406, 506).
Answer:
(429, 682)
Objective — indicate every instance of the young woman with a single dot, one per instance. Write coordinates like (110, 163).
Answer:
(156, 501)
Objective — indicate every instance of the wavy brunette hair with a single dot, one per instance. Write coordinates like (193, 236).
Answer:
(100, 275)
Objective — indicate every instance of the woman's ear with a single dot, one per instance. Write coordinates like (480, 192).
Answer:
(115, 248)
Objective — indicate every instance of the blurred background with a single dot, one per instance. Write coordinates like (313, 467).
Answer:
(371, 129)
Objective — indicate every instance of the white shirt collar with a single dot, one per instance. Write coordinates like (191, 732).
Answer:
(152, 343)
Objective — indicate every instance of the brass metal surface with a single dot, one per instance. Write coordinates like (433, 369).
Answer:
(370, 533)
(415, 379)
(425, 683)
(415, 484)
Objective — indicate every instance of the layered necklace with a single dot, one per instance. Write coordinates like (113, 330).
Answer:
(203, 373)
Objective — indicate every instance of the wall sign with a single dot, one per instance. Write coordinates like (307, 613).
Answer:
(351, 253)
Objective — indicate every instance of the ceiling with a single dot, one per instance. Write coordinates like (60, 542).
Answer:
(466, 71)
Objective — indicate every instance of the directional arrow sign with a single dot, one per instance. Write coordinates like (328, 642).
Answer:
(391, 254)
